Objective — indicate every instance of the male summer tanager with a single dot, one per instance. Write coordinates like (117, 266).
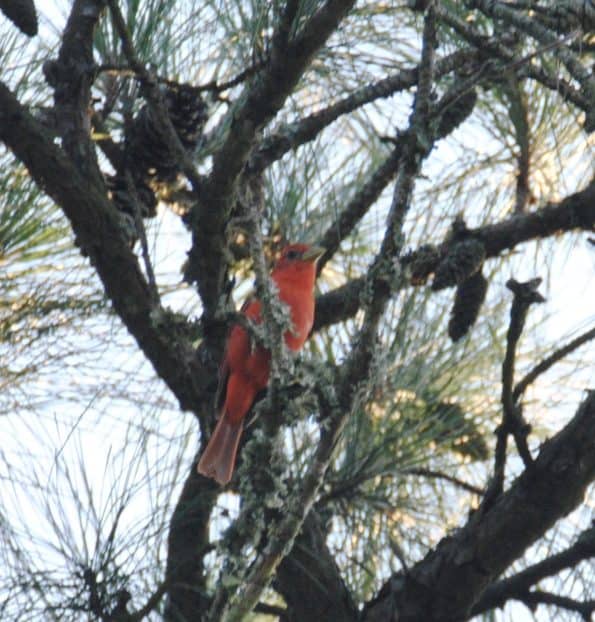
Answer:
(245, 368)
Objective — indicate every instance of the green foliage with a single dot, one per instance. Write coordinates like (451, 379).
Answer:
(38, 296)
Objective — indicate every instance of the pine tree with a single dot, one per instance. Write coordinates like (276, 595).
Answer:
(421, 459)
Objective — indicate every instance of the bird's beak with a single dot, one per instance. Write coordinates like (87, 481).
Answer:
(314, 253)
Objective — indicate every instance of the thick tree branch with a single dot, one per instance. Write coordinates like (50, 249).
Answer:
(188, 543)
(72, 75)
(577, 211)
(310, 581)
(446, 584)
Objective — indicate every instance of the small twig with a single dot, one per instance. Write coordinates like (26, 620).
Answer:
(116, 69)
(211, 86)
(550, 360)
(241, 77)
(271, 610)
(151, 603)
(525, 294)
(539, 597)
(430, 473)
(142, 234)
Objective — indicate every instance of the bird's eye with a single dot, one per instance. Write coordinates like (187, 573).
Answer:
(292, 254)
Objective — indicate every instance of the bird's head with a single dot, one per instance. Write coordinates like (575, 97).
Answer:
(299, 254)
(298, 261)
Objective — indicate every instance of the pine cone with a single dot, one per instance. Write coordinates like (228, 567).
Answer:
(469, 297)
(463, 260)
(146, 150)
(456, 113)
(188, 113)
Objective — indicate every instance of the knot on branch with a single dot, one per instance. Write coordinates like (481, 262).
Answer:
(525, 295)
(61, 75)
(526, 292)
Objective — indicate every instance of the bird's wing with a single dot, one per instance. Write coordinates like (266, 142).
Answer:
(237, 349)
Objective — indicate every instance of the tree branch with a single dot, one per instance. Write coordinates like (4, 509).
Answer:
(539, 597)
(188, 543)
(488, 47)
(525, 294)
(498, 593)
(577, 211)
(445, 585)
(72, 75)
(356, 369)
(456, 481)
(310, 581)
(450, 111)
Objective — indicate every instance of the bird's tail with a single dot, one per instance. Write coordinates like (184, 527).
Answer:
(219, 457)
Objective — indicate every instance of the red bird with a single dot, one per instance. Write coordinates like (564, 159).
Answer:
(245, 370)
